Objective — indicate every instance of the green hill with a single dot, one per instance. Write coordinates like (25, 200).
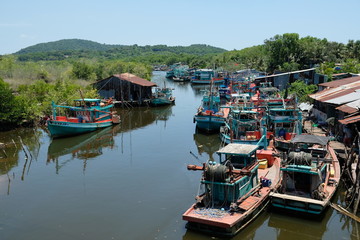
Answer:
(67, 45)
(77, 48)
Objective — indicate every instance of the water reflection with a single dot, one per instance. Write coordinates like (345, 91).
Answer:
(295, 227)
(18, 142)
(83, 146)
(135, 118)
(208, 144)
(199, 89)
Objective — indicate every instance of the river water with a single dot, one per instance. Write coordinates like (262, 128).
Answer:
(127, 182)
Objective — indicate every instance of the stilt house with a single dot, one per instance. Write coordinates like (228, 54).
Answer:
(125, 88)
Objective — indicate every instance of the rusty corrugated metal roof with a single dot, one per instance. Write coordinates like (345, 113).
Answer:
(330, 94)
(135, 79)
(346, 109)
(350, 107)
(350, 120)
(341, 82)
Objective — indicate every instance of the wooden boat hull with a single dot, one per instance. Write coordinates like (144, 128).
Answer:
(292, 201)
(161, 101)
(298, 204)
(181, 79)
(229, 225)
(226, 223)
(214, 81)
(209, 123)
(65, 128)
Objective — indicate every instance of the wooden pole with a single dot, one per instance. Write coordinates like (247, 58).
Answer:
(357, 180)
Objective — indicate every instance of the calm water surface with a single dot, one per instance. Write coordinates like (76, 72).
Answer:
(126, 182)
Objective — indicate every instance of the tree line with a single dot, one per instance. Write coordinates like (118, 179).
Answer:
(48, 74)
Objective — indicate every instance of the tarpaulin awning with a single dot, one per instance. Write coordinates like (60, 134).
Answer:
(314, 139)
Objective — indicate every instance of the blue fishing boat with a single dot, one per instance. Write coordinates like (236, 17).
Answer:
(310, 174)
(233, 191)
(245, 127)
(268, 96)
(178, 71)
(224, 91)
(206, 76)
(210, 115)
(162, 96)
(181, 73)
(284, 123)
(86, 115)
(170, 74)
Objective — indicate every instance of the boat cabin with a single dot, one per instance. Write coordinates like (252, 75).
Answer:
(204, 74)
(285, 123)
(233, 177)
(239, 155)
(306, 169)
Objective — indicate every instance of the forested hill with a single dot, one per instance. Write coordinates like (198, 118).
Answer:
(67, 45)
(75, 48)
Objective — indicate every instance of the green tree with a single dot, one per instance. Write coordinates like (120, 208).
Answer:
(351, 66)
(10, 108)
(282, 49)
(301, 90)
(7, 64)
(82, 70)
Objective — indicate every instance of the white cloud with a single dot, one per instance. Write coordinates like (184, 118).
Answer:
(26, 36)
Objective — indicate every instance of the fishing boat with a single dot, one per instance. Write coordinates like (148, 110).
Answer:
(224, 91)
(210, 115)
(178, 71)
(244, 126)
(284, 123)
(181, 73)
(235, 190)
(170, 74)
(206, 76)
(310, 175)
(268, 96)
(162, 96)
(181, 79)
(86, 115)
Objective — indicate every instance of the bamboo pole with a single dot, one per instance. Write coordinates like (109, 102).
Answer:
(345, 212)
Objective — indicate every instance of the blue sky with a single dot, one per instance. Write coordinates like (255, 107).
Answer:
(229, 24)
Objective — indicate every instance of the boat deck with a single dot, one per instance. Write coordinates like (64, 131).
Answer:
(250, 205)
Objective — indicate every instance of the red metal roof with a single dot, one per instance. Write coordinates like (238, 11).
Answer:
(135, 79)
(341, 82)
(350, 120)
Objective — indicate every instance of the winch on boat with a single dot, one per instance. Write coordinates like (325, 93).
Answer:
(299, 158)
(216, 172)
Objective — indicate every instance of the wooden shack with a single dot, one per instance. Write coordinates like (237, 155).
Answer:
(125, 88)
